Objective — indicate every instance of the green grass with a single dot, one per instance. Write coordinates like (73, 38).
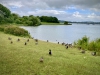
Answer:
(46, 23)
(20, 59)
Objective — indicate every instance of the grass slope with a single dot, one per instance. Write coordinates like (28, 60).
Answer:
(20, 59)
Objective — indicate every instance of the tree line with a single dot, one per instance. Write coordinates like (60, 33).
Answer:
(7, 17)
(49, 19)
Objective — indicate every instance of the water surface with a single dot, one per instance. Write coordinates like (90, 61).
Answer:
(64, 33)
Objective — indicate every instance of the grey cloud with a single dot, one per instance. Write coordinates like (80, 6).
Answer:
(83, 4)
(23, 7)
(57, 4)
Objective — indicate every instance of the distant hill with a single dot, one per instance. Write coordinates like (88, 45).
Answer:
(84, 22)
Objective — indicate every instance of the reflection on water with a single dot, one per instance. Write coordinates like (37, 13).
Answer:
(64, 33)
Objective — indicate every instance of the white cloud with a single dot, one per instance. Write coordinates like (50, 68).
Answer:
(16, 4)
(91, 15)
(72, 7)
(76, 14)
(57, 8)
(46, 12)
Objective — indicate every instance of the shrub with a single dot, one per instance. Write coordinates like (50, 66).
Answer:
(83, 43)
(16, 31)
(98, 46)
(9, 29)
(29, 23)
(66, 22)
(2, 28)
(18, 21)
(92, 46)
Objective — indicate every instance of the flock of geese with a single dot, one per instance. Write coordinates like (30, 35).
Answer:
(50, 52)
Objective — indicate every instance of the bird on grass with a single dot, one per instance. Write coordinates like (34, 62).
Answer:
(11, 42)
(25, 43)
(50, 53)
(41, 59)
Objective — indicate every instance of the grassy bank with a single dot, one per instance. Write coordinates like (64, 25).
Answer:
(46, 23)
(20, 59)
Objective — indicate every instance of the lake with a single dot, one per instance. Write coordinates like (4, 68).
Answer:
(64, 33)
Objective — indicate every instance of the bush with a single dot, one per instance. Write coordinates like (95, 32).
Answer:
(16, 31)
(98, 45)
(9, 29)
(29, 23)
(18, 21)
(92, 46)
(20, 32)
(2, 28)
(66, 22)
(85, 44)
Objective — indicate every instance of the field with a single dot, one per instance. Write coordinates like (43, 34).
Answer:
(20, 59)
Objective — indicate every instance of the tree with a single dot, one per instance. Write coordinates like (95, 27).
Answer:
(35, 21)
(5, 11)
(7, 17)
(49, 19)
(15, 16)
(66, 22)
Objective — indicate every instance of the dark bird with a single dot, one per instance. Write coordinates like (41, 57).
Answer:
(47, 41)
(27, 40)
(79, 48)
(18, 39)
(83, 51)
(50, 53)
(9, 38)
(11, 42)
(36, 40)
(25, 43)
(67, 47)
(93, 53)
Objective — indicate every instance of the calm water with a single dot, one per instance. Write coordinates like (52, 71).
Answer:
(64, 33)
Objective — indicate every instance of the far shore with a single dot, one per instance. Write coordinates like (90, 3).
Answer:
(46, 23)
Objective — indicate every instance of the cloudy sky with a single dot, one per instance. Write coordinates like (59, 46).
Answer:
(70, 10)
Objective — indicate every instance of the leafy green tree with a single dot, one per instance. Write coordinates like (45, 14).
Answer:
(29, 23)
(35, 21)
(7, 17)
(38, 21)
(9, 20)
(5, 11)
(5, 14)
(15, 16)
(66, 22)
(18, 21)
(48, 19)
(25, 17)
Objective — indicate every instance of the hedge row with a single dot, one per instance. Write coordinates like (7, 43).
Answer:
(14, 30)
